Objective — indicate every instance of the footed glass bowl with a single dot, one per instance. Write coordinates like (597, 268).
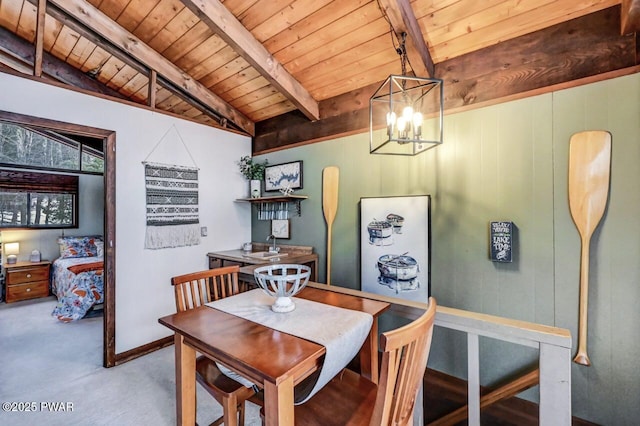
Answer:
(282, 281)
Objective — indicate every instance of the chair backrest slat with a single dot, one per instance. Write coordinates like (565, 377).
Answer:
(404, 361)
(197, 288)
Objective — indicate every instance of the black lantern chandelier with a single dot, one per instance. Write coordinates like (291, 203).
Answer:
(406, 112)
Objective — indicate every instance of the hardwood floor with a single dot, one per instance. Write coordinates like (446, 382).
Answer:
(444, 394)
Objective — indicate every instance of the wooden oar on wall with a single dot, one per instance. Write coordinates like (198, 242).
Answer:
(330, 177)
(589, 170)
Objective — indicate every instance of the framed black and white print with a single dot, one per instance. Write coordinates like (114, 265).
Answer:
(283, 176)
(280, 228)
(395, 246)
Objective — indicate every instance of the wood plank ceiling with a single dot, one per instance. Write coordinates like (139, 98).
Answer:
(235, 63)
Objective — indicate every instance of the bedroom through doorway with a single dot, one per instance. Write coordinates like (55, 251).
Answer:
(47, 225)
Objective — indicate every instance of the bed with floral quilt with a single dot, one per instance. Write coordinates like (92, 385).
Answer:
(77, 277)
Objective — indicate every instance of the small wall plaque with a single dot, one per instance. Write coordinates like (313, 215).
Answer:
(501, 241)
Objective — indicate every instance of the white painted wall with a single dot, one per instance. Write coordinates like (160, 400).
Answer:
(143, 289)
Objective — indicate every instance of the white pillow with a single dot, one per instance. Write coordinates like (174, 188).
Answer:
(100, 247)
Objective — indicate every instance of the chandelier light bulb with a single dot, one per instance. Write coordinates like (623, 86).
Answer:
(417, 125)
(391, 121)
(407, 112)
(402, 128)
(391, 117)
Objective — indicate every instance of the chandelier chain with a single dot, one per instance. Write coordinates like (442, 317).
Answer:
(402, 51)
(398, 44)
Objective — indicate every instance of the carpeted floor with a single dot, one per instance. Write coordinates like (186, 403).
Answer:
(47, 366)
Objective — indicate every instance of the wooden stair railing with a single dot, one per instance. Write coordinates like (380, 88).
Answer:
(553, 345)
(505, 391)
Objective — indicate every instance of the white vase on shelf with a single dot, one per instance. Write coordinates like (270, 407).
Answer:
(254, 188)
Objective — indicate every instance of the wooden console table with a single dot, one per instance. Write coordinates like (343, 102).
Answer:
(302, 255)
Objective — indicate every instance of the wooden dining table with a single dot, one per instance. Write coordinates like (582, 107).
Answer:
(275, 360)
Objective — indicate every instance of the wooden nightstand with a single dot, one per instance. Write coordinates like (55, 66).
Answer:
(26, 280)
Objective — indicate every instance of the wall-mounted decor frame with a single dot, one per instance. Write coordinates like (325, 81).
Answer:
(395, 246)
(283, 176)
(501, 241)
(280, 228)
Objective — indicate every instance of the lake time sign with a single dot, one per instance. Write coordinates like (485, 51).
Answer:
(501, 240)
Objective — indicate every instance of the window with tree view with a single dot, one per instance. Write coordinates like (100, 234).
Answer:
(38, 200)
(44, 149)
(30, 199)
(32, 209)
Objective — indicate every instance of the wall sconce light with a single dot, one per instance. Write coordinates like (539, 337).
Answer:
(12, 250)
(411, 109)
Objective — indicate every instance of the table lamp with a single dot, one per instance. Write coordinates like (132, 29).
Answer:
(12, 249)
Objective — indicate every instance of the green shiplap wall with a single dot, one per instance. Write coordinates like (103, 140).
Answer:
(507, 162)
(609, 391)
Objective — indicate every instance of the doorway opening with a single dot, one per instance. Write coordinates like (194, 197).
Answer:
(108, 140)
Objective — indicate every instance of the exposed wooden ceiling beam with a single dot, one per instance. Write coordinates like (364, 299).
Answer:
(153, 88)
(403, 20)
(84, 30)
(630, 17)
(52, 66)
(39, 44)
(141, 52)
(79, 27)
(585, 48)
(10, 63)
(225, 24)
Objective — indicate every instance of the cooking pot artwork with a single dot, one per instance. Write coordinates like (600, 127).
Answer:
(396, 221)
(398, 272)
(381, 231)
(395, 246)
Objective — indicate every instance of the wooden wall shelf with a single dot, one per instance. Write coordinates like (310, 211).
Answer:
(275, 199)
(276, 207)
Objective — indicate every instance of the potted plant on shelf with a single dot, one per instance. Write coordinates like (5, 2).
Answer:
(254, 172)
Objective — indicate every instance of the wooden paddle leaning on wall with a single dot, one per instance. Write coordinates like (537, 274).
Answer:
(589, 171)
(330, 177)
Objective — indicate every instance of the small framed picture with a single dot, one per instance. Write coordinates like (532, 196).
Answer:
(280, 228)
(283, 176)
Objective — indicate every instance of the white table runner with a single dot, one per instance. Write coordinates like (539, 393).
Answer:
(341, 331)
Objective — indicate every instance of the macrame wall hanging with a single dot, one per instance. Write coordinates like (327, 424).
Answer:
(171, 202)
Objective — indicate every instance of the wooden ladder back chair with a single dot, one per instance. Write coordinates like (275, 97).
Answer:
(197, 288)
(404, 361)
(192, 291)
(350, 399)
